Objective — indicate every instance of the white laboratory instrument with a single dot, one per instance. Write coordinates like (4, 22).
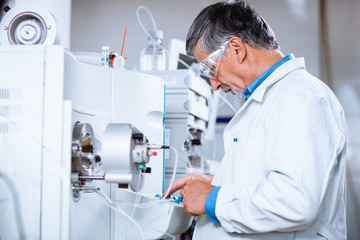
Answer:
(35, 138)
(125, 151)
(74, 121)
(189, 106)
(55, 108)
(102, 95)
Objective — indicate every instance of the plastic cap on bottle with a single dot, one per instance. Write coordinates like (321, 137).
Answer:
(118, 62)
(105, 48)
(157, 34)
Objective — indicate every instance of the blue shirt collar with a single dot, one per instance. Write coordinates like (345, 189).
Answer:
(251, 88)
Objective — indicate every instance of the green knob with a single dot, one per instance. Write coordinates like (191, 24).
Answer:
(142, 166)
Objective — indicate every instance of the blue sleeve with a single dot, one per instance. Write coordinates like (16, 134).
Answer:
(210, 204)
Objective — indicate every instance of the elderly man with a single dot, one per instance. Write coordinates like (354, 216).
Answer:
(283, 172)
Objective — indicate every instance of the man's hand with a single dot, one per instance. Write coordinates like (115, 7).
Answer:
(194, 189)
(179, 184)
(195, 193)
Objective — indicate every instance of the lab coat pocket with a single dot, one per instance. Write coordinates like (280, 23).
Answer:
(325, 231)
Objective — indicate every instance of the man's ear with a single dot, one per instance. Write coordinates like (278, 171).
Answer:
(237, 47)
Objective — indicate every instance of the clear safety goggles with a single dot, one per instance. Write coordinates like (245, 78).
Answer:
(209, 66)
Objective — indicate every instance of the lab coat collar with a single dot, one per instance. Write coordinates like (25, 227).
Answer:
(278, 74)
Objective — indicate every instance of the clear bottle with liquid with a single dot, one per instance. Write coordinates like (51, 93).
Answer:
(153, 56)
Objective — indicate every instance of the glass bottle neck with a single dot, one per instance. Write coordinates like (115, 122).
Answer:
(158, 41)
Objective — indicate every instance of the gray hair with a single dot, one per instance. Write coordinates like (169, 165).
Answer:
(218, 22)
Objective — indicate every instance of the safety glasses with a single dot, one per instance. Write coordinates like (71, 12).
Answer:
(209, 66)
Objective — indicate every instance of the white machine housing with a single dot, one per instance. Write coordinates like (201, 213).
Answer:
(101, 96)
(189, 111)
(38, 86)
(35, 139)
(36, 120)
(27, 22)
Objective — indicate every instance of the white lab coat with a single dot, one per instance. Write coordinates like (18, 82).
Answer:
(284, 178)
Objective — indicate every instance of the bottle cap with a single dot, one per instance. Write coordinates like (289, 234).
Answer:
(157, 34)
(105, 48)
(118, 62)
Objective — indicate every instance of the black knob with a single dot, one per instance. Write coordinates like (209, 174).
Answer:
(148, 170)
(196, 142)
(97, 159)
(138, 136)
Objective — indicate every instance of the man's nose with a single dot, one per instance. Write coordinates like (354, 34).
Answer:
(215, 84)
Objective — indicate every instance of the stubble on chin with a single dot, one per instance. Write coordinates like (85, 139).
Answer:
(239, 98)
(227, 89)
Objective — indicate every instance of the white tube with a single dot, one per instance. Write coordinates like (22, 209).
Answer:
(150, 15)
(17, 126)
(118, 177)
(54, 156)
(103, 194)
(225, 100)
(137, 196)
(228, 103)
(222, 102)
(154, 26)
(17, 206)
(184, 63)
(174, 173)
(214, 149)
(119, 210)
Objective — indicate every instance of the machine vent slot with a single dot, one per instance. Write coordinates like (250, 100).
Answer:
(10, 109)
(4, 127)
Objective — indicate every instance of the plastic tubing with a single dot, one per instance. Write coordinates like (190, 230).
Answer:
(150, 15)
(17, 207)
(174, 172)
(214, 149)
(38, 142)
(137, 195)
(154, 26)
(119, 210)
(17, 126)
(148, 34)
(225, 100)
(228, 103)
(222, 102)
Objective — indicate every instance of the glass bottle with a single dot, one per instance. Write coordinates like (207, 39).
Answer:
(153, 56)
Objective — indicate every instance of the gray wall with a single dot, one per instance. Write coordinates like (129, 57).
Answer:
(96, 23)
(344, 35)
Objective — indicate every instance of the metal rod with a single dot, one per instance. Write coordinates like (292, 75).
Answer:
(92, 177)
(154, 146)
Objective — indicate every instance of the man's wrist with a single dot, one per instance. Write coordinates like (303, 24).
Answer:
(210, 204)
